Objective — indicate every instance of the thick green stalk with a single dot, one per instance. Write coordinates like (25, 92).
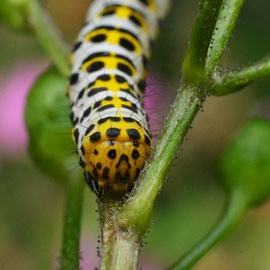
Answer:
(225, 24)
(120, 249)
(232, 215)
(138, 209)
(236, 81)
(48, 36)
(123, 226)
(70, 256)
(126, 251)
(107, 211)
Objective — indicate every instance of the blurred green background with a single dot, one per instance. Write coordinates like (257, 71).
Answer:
(31, 205)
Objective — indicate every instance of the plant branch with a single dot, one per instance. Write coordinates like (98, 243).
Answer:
(124, 224)
(233, 213)
(138, 209)
(236, 81)
(107, 212)
(126, 251)
(48, 36)
(134, 218)
(120, 249)
(193, 66)
(70, 257)
(225, 24)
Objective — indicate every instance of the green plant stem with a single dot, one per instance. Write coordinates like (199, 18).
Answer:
(138, 209)
(126, 251)
(225, 24)
(107, 211)
(70, 256)
(236, 81)
(120, 249)
(193, 66)
(123, 226)
(233, 213)
(48, 36)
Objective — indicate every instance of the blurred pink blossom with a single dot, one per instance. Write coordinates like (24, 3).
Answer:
(14, 86)
(88, 252)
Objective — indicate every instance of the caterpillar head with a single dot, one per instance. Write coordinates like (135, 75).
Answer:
(115, 156)
(116, 165)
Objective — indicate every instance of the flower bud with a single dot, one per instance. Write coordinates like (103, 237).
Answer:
(245, 165)
(46, 115)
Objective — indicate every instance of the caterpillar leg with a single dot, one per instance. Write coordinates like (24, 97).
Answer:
(92, 183)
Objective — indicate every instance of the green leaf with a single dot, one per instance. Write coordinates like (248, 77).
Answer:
(245, 164)
(46, 115)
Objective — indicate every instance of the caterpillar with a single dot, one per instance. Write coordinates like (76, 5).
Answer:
(107, 84)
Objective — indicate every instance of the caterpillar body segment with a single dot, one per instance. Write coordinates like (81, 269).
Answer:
(107, 85)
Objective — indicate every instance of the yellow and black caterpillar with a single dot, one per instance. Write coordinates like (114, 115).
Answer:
(107, 85)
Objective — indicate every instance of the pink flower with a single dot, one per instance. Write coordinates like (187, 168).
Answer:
(13, 92)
